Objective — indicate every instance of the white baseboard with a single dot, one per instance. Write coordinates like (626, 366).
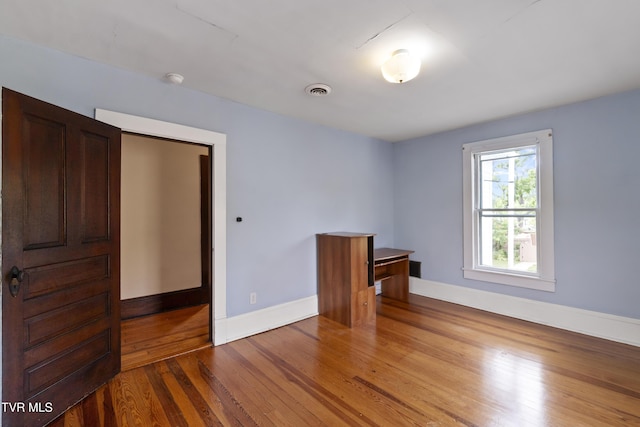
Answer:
(615, 328)
(237, 327)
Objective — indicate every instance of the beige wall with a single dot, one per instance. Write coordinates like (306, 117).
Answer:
(160, 241)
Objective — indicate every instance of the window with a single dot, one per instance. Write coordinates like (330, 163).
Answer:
(508, 210)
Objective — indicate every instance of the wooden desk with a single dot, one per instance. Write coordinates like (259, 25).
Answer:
(391, 266)
(345, 278)
(348, 267)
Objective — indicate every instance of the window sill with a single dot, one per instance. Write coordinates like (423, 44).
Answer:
(511, 279)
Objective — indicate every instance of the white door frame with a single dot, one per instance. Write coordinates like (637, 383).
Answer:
(218, 143)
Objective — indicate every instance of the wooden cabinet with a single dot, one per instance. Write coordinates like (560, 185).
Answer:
(346, 291)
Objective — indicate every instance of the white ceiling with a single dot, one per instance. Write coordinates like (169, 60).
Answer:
(482, 60)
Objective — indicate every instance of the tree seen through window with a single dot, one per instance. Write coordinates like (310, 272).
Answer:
(508, 203)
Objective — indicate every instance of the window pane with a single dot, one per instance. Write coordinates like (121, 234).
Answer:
(508, 179)
(508, 241)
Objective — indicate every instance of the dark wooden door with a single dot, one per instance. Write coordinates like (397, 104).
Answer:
(61, 232)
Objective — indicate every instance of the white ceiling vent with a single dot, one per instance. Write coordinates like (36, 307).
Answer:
(318, 89)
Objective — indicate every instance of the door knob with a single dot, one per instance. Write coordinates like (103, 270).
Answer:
(16, 276)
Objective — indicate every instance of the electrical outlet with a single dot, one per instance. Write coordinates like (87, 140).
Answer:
(252, 298)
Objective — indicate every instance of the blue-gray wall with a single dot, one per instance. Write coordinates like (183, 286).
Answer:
(596, 201)
(290, 179)
(286, 178)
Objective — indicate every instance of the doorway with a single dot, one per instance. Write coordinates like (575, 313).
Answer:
(165, 248)
(165, 225)
(217, 143)
(74, 165)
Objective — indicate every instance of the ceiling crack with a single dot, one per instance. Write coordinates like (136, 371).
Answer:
(217, 27)
(373, 37)
(521, 10)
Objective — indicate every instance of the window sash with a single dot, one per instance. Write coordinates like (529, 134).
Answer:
(509, 212)
(500, 149)
(514, 265)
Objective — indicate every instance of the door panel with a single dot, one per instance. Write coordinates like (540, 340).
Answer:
(43, 182)
(61, 229)
(95, 188)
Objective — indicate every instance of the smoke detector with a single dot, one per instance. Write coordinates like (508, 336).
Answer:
(174, 78)
(318, 89)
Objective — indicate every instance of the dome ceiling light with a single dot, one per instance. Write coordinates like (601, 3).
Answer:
(401, 67)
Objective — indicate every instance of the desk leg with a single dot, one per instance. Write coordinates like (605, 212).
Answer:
(397, 286)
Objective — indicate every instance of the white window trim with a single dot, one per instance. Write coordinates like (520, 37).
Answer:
(545, 279)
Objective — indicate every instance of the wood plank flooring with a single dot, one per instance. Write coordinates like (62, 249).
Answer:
(426, 363)
(156, 337)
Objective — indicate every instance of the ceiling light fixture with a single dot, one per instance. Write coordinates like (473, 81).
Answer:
(401, 67)
(175, 78)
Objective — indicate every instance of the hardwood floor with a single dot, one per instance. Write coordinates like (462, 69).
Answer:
(156, 337)
(426, 363)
